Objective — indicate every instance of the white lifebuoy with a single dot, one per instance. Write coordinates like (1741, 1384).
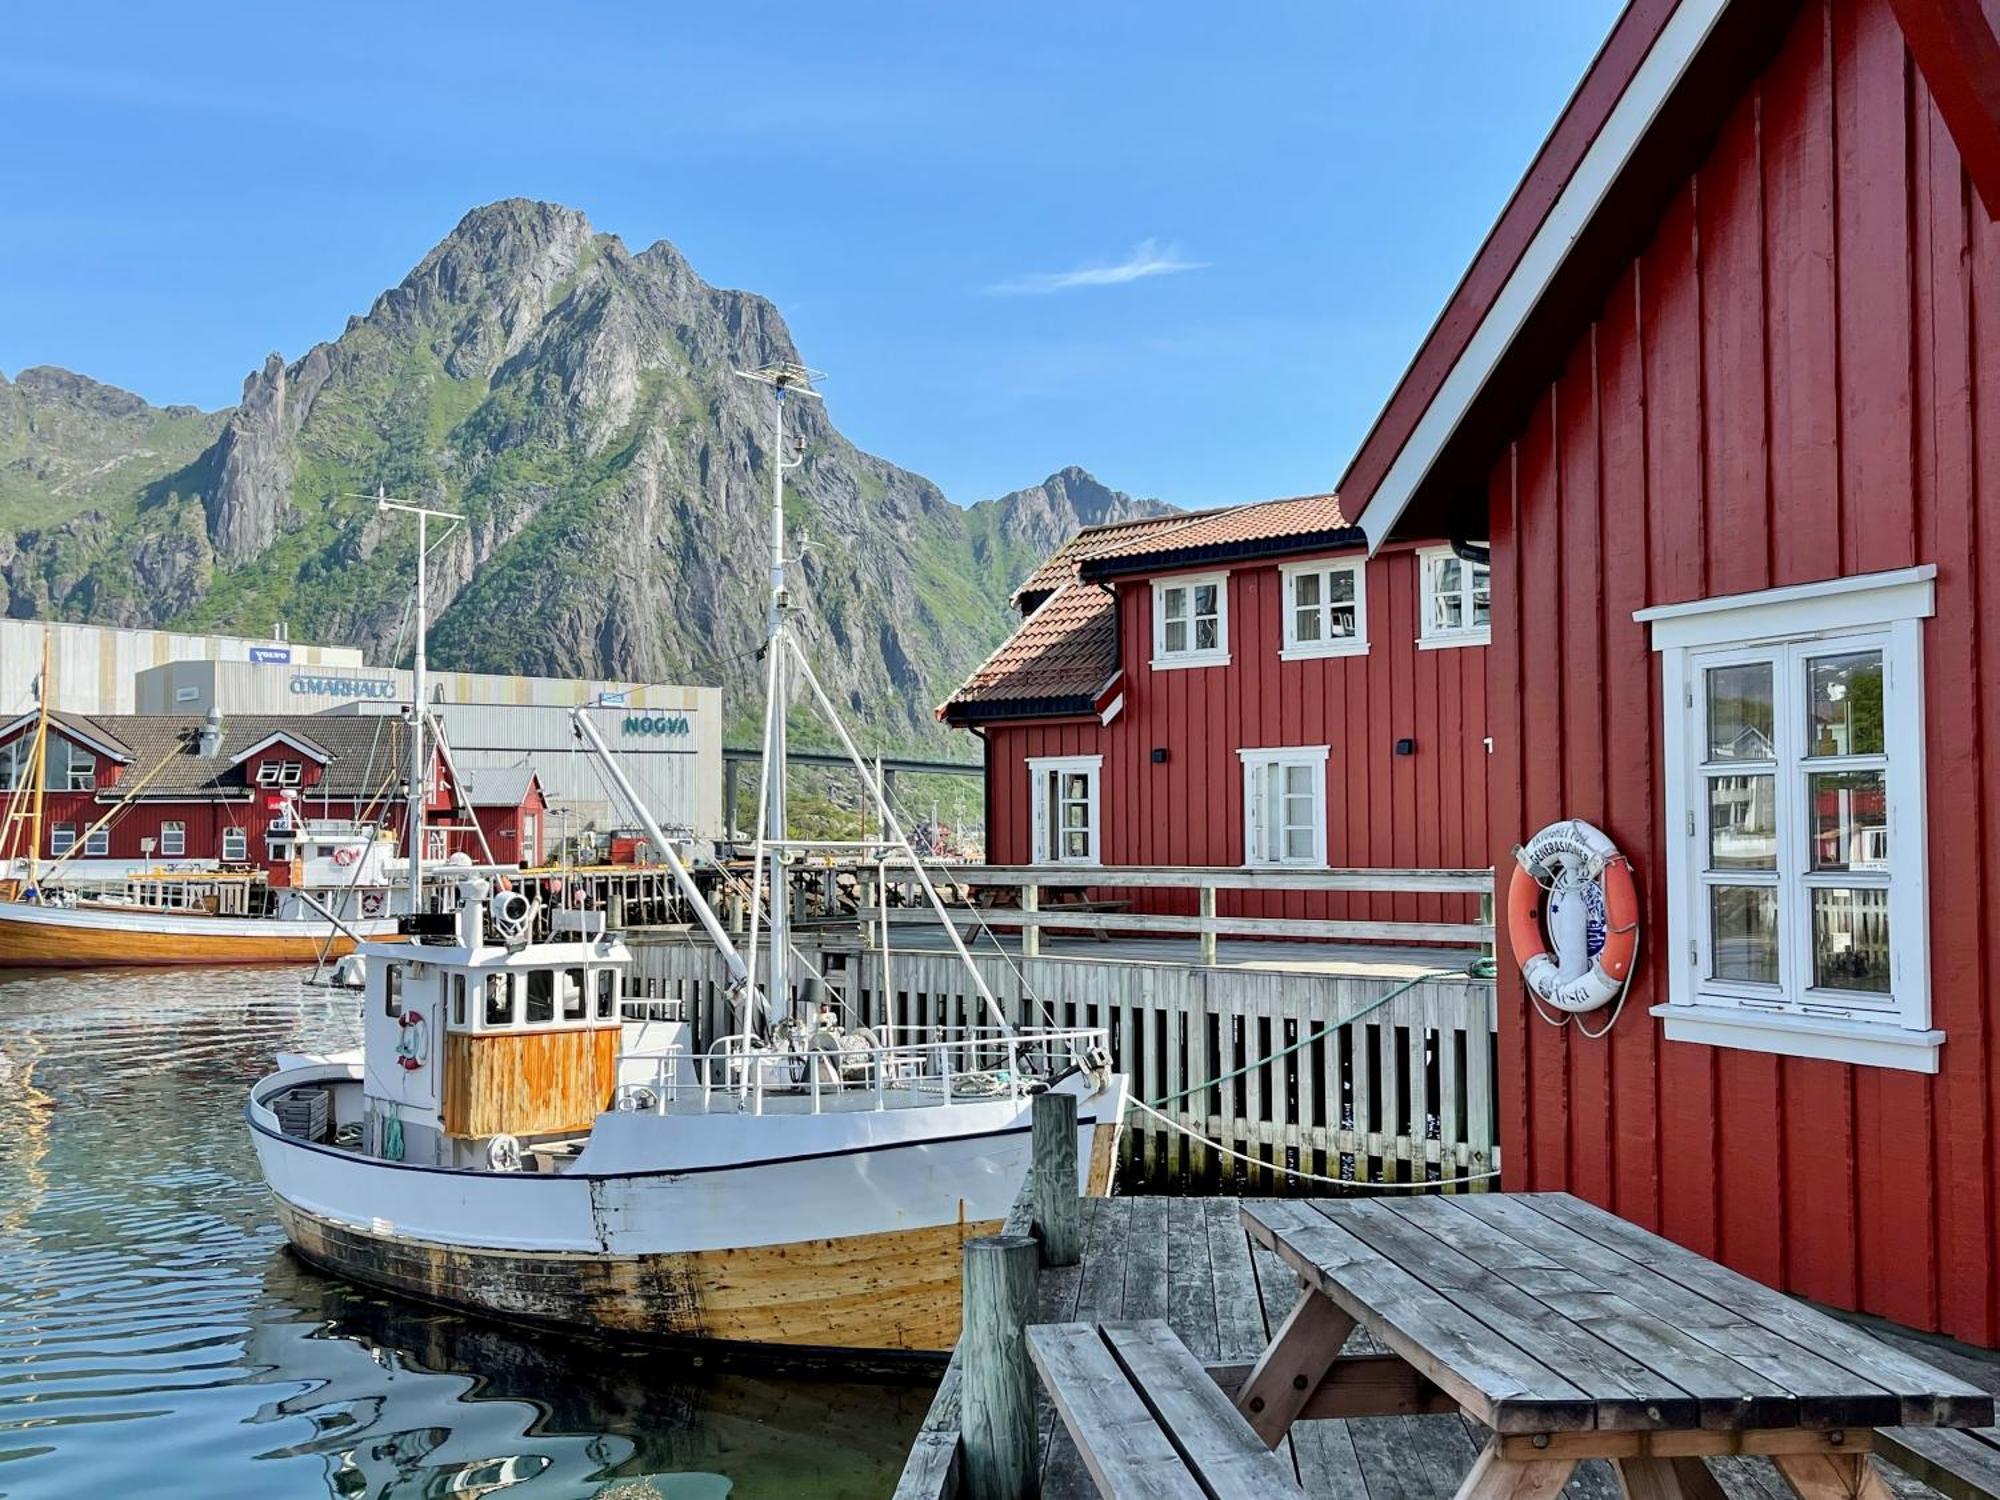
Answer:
(346, 856)
(1590, 917)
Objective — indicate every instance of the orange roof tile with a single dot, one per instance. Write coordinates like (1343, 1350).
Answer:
(1265, 520)
(1057, 662)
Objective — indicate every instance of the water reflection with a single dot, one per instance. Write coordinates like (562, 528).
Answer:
(157, 1338)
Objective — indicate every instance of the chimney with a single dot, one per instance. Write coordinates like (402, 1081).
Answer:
(211, 733)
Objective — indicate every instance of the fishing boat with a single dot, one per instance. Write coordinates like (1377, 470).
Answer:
(518, 1140)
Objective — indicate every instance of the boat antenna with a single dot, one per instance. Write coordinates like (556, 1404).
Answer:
(419, 688)
(784, 377)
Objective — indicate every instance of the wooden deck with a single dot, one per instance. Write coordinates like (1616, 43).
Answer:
(1189, 1261)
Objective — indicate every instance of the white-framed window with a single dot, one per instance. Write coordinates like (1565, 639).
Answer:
(1191, 620)
(1284, 805)
(173, 840)
(1062, 792)
(14, 758)
(97, 843)
(1794, 743)
(1456, 599)
(71, 767)
(531, 845)
(235, 845)
(279, 773)
(62, 838)
(1326, 609)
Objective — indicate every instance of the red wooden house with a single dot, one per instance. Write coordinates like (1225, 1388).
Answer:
(511, 809)
(189, 791)
(1241, 687)
(1722, 390)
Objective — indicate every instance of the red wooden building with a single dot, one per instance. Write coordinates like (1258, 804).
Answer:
(189, 791)
(1241, 687)
(1722, 390)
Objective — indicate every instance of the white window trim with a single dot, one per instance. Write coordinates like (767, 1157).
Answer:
(1164, 661)
(62, 838)
(1894, 604)
(241, 838)
(97, 843)
(1354, 645)
(1040, 766)
(177, 832)
(1433, 638)
(1292, 755)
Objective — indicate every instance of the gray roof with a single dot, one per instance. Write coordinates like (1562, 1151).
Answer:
(365, 752)
(495, 786)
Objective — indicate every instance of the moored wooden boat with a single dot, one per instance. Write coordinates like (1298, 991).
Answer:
(92, 936)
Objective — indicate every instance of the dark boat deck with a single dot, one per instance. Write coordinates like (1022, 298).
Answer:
(1189, 1261)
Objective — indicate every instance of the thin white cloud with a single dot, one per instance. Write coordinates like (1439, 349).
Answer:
(1148, 258)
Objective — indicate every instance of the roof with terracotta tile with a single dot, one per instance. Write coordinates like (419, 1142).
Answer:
(1061, 564)
(365, 752)
(1062, 656)
(1265, 526)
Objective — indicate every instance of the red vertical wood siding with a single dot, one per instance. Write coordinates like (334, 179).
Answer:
(1425, 810)
(1799, 377)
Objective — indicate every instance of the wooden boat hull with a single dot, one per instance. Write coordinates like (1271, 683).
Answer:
(82, 937)
(683, 1251)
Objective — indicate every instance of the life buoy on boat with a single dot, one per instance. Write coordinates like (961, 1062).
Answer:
(413, 1046)
(1572, 891)
(346, 856)
(371, 903)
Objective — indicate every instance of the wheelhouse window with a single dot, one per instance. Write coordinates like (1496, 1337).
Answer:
(1797, 904)
(499, 1009)
(1063, 792)
(235, 845)
(575, 997)
(97, 843)
(392, 991)
(1326, 609)
(541, 996)
(458, 999)
(62, 838)
(173, 840)
(1456, 599)
(607, 993)
(1191, 621)
(1284, 805)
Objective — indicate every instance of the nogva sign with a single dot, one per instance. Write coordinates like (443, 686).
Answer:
(655, 724)
(313, 685)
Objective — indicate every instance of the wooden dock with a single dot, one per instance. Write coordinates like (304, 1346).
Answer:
(1189, 1261)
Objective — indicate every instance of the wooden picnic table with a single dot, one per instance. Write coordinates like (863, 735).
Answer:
(1573, 1334)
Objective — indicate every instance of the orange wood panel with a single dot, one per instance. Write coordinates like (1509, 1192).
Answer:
(527, 1083)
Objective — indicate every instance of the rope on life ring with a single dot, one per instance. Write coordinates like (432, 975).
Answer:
(1572, 891)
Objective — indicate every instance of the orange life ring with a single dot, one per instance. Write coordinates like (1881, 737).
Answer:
(1573, 862)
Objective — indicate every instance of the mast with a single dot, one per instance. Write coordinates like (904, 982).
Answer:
(39, 759)
(783, 376)
(419, 688)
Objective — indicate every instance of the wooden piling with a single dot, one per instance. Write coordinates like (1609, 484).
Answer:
(997, 1392)
(1058, 1208)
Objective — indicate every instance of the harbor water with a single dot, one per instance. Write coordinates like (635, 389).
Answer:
(157, 1338)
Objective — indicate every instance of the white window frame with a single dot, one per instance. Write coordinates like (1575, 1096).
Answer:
(1879, 611)
(238, 841)
(1165, 660)
(62, 838)
(280, 773)
(1256, 761)
(1295, 649)
(1040, 767)
(1434, 637)
(173, 840)
(97, 843)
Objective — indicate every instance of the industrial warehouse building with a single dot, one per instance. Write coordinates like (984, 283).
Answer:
(668, 738)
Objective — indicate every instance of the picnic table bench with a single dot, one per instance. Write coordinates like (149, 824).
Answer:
(1568, 1333)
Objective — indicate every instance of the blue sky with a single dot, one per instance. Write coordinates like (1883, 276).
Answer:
(1188, 246)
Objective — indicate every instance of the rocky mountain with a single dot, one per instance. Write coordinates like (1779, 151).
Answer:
(576, 402)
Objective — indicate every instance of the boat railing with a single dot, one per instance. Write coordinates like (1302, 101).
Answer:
(743, 1071)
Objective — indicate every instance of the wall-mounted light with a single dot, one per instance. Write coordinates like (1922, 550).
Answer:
(1406, 747)
(1159, 755)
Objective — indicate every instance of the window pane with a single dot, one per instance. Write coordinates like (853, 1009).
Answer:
(1174, 603)
(1298, 843)
(1449, 610)
(1850, 820)
(1851, 940)
(541, 996)
(1274, 816)
(1176, 636)
(1206, 637)
(1340, 621)
(1743, 933)
(1076, 786)
(1305, 624)
(1076, 844)
(1743, 822)
(1482, 594)
(1340, 586)
(1740, 718)
(499, 1000)
(1845, 697)
(1449, 577)
(1305, 588)
(1204, 599)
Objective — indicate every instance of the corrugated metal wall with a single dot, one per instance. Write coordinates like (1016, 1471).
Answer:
(95, 666)
(1798, 379)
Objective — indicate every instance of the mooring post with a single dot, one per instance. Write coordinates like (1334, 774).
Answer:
(1058, 1209)
(1031, 933)
(1208, 926)
(996, 1411)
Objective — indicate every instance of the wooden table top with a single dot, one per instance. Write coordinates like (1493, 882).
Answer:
(1540, 1313)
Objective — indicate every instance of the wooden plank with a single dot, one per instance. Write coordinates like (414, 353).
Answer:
(1832, 1476)
(1099, 1294)
(1507, 1389)
(1496, 1477)
(1118, 1438)
(1070, 920)
(1689, 1443)
(1960, 1465)
(1239, 1319)
(1354, 1385)
(1223, 877)
(931, 1471)
(1190, 1292)
(1146, 1260)
(1929, 1396)
(1293, 1365)
(1217, 1444)
(1628, 1393)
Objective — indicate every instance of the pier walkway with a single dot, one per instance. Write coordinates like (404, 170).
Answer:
(1190, 1262)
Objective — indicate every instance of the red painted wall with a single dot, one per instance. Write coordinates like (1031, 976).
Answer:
(1426, 809)
(1799, 378)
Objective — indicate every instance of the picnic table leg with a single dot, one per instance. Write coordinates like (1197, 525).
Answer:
(1832, 1476)
(1666, 1479)
(1292, 1366)
(1496, 1477)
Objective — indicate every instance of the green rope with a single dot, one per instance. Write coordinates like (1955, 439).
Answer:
(1482, 968)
